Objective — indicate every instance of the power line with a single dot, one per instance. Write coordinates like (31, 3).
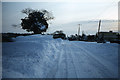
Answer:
(105, 9)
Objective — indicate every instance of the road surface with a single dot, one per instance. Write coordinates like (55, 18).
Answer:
(44, 57)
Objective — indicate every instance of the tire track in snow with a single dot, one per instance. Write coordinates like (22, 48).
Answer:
(58, 51)
(106, 51)
(62, 65)
(66, 56)
(71, 73)
(97, 64)
(76, 63)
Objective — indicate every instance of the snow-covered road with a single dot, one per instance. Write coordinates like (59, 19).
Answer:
(43, 57)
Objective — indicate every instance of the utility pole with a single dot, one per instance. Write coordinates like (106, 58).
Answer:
(99, 26)
(79, 29)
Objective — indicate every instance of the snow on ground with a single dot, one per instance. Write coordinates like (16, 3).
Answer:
(40, 56)
(0, 60)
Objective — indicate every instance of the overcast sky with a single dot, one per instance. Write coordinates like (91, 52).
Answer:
(64, 11)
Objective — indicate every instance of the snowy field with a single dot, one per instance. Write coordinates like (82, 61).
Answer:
(40, 56)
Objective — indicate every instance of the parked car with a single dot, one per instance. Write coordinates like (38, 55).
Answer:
(62, 36)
